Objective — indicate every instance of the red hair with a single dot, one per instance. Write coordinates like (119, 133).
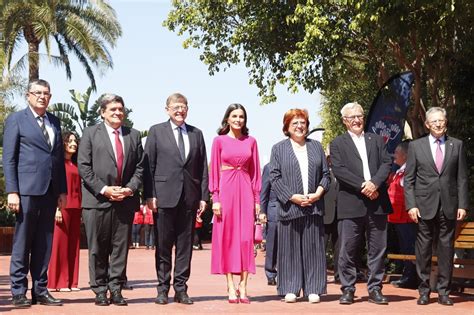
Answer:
(292, 113)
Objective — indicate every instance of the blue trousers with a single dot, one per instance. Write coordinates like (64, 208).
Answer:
(32, 243)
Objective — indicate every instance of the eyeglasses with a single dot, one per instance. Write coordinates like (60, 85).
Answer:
(296, 123)
(38, 94)
(175, 108)
(353, 117)
(437, 121)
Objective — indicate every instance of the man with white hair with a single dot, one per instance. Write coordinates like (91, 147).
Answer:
(361, 165)
(436, 195)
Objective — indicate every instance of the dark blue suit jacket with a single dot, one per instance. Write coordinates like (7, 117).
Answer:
(29, 164)
(268, 200)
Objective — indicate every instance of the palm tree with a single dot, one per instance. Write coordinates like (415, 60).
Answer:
(83, 28)
(72, 120)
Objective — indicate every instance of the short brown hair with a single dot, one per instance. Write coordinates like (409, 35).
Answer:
(292, 113)
(174, 97)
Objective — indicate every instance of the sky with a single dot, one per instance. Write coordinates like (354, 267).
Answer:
(150, 63)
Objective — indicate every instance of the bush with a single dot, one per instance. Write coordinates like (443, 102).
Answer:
(7, 218)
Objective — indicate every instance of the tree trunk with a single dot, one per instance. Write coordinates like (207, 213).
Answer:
(33, 52)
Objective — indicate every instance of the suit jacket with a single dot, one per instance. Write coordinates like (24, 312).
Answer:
(285, 176)
(30, 166)
(268, 200)
(347, 168)
(425, 188)
(98, 167)
(330, 200)
(167, 176)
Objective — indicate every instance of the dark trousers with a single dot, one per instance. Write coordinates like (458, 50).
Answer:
(351, 234)
(331, 236)
(108, 235)
(175, 227)
(136, 233)
(271, 249)
(32, 243)
(444, 229)
(406, 233)
(197, 240)
(149, 235)
(301, 258)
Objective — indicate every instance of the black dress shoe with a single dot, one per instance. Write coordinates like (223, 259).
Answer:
(272, 282)
(20, 301)
(376, 296)
(162, 298)
(183, 298)
(347, 297)
(101, 299)
(116, 298)
(46, 299)
(445, 300)
(424, 299)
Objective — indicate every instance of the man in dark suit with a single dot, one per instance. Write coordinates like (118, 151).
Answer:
(110, 162)
(330, 218)
(269, 206)
(361, 165)
(436, 195)
(35, 180)
(176, 185)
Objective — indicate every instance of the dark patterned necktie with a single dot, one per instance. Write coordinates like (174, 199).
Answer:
(181, 144)
(44, 131)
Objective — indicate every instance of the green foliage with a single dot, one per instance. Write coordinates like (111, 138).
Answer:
(84, 29)
(310, 44)
(81, 115)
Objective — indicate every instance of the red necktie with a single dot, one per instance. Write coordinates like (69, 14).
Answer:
(439, 156)
(119, 149)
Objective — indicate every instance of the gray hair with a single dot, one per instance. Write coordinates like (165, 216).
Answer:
(349, 106)
(40, 82)
(107, 98)
(434, 110)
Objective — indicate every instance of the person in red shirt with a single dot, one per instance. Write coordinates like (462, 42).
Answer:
(137, 226)
(404, 225)
(149, 231)
(63, 271)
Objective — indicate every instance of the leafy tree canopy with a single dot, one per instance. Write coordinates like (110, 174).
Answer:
(311, 44)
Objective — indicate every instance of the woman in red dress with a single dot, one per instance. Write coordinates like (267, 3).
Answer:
(63, 272)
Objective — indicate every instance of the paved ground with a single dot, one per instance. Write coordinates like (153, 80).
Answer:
(209, 294)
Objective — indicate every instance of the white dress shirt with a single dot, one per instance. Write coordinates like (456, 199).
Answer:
(434, 146)
(302, 157)
(110, 132)
(184, 131)
(359, 142)
(47, 125)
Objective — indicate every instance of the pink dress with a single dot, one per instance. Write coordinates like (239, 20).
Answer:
(234, 181)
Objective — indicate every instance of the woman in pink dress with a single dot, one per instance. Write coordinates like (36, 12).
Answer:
(234, 182)
(63, 271)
